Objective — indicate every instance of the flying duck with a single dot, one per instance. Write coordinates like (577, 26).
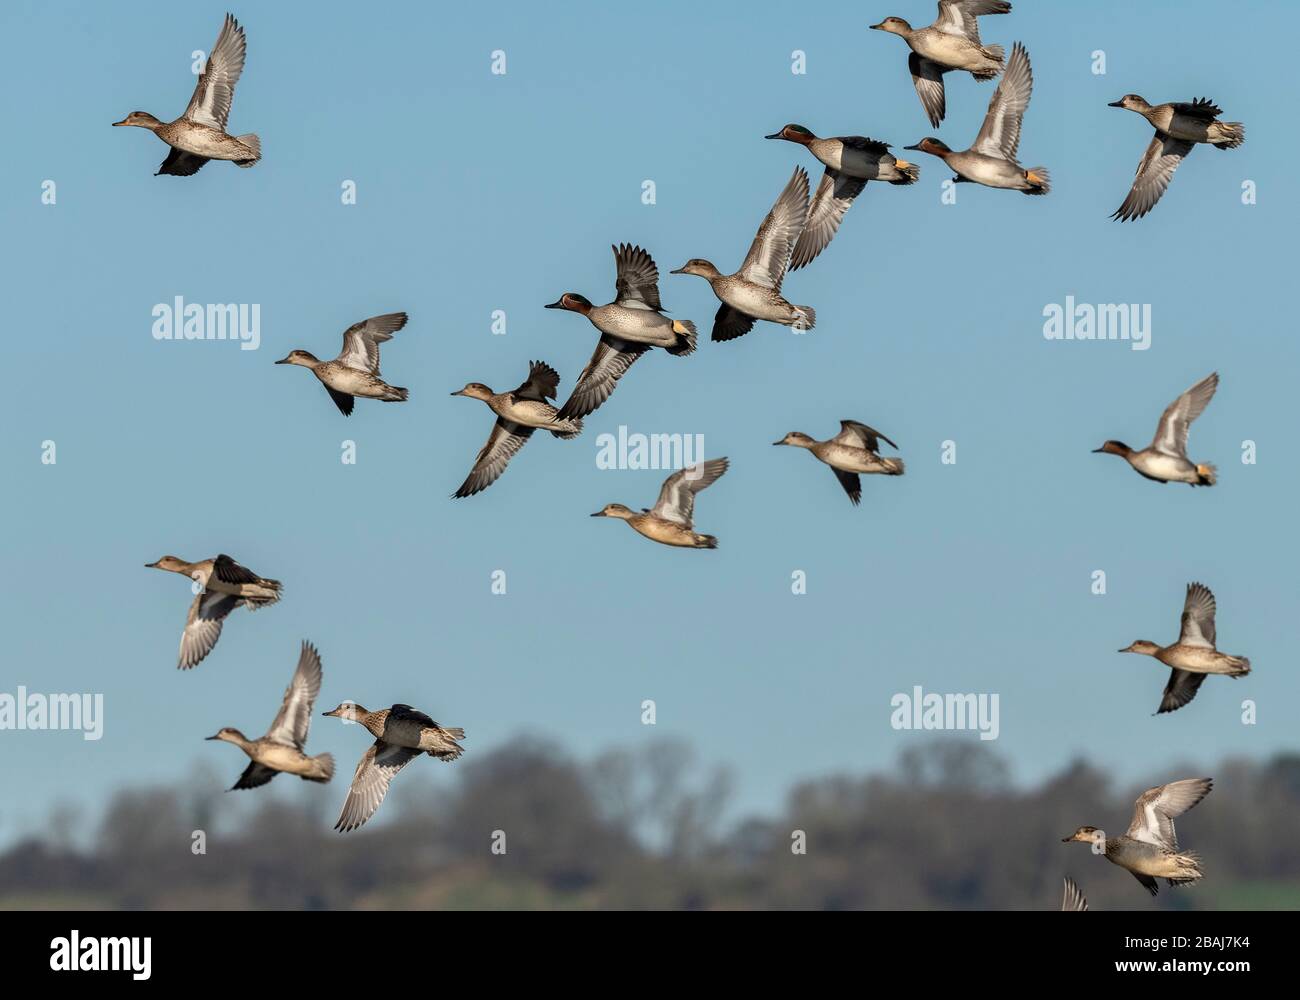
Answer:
(991, 161)
(1149, 848)
(1194, 654)
(281, 749)
(951, 43)
(222, 585)
(1165, 458)
(1178, 128)
(754, 292)
(629, 326)
(854, 450)
(850, 161)
(401, 733)
(355, 372)
(519, 412)
(671, 521)
(200, 133)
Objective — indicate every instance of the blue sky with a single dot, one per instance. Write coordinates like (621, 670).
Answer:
(479, 192)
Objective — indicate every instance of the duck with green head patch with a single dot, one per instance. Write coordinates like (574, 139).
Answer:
(629, 326)
(851, 161)
(991, 159)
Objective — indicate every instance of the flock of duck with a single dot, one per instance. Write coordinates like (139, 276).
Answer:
(796, 230)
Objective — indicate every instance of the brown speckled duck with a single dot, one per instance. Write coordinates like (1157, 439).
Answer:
(401, 733)
(199, 135)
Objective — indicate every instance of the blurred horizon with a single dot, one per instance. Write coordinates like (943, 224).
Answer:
(528, 826)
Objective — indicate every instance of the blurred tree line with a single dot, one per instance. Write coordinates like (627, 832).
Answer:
(946, 829)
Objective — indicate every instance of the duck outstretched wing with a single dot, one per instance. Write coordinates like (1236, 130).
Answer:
(361, 341)
(1176, 421)
(503, 444)
(1154, 812)
(832, 201)
(1000, 134)
(375, 771)
(637, 282)
(215, 90)
(1154, 173)
(293, 721)
(1198, 617)
(769, 254)
(677, 497)
(927, 78)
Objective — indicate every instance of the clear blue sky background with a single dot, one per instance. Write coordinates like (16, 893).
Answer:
(479, 192)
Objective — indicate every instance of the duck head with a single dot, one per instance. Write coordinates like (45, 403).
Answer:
(894, 25)
(475, 390)
(573, 302)
(304, 358)
(699, 267)
(228, 735)
(348, 711)
(614, 510)
(793, 133)
(1088, 835)
(1114, 448)
(1131, 102)
(170, 563)
(1142, 646)
(141, 118)
(796, 439)
(931, 145)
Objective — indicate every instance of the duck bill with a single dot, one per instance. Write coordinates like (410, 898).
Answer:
(682, 269)
(152, 565)
(122, 122)
(599, 513)
(215, 736)
(458, 392)
(775, 443)
(282, 361)
(1066, 840)
(916, 147)
(774, 135)
(1115, 104)
(877, 27)
(557, 304)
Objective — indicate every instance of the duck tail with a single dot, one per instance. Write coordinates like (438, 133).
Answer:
(1189, 864)
(1040, 178)
(455, 732)
(1229, 135)
(1207, 475)
(893, 466)
(706, 541)
(566, 430)
(908, 172)
(806, 319)
(997, 54)
(396, 394)
(253, 143)
(1240, 666)
(264, 600)
(324, 768)
(685, 331)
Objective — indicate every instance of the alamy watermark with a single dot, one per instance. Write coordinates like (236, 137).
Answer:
(648, 451)
(1129, 321)
(921, 710)
(181, 320)
(83, 712)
